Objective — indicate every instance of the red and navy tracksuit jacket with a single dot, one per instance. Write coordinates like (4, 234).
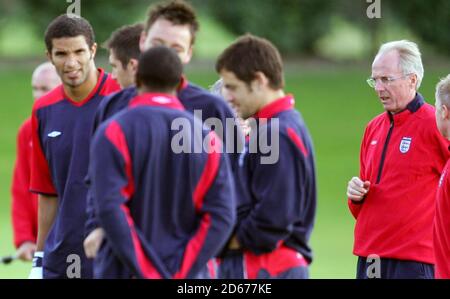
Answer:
(165, 214)
(442, 226)
(276, 202)
(402, 155)
(61, 132)
(193, 98)
(24, 208)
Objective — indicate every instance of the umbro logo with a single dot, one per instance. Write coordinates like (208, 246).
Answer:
(54, 134)
(374, 142)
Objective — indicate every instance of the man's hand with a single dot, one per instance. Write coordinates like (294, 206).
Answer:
(26, 251)
(357, 189)
(234, 243)
(93, 241)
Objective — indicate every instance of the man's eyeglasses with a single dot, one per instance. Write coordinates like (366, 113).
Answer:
(384, 80)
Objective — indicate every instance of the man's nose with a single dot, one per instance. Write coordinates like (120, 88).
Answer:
(71, 61)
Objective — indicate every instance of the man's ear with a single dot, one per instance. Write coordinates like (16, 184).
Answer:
(93, 50)
(189, 55)
(414, 80)
(142, 40)
(49, 56)
(133, 65)
(260, 81)
(445, 112)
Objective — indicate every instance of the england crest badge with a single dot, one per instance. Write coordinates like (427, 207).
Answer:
(405, 144)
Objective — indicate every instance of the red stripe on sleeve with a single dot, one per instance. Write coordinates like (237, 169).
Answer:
(116, 136)
(194, 247)
(209, 172)
(147, 268)
(206, 180)
(41, 180)
(297, 141)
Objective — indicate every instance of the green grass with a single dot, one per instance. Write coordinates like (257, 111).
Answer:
(336, 104)
(17, 101)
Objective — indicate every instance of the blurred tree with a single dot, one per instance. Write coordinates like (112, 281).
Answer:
(356, 13)
(7, 8)
(293, 25)
(104, 15)
(430, 20)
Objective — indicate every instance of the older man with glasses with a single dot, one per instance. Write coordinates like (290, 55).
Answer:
(402, 157)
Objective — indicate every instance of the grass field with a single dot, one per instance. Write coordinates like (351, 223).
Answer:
(336, 104)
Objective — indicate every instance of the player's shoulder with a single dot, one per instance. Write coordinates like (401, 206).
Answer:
(377, 120)
(119, 98)
(52, 97)
(126, 93)
(25, 127)
(195, 93)
(154, 113)
(126, 120)
(427, 111)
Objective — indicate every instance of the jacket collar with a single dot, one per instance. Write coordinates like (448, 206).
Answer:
(157, 100)
(411, 108)
(276, 107)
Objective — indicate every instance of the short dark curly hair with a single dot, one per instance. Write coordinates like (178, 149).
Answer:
(177, 12)
(250, 54)
(125, 43)
(159, 69)
(65, 26)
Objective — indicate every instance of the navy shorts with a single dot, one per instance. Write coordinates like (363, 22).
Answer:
(393, 269)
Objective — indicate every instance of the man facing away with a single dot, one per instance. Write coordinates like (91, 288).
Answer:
(165, 212)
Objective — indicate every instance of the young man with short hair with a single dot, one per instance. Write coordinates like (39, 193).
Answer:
(123, 47)
(276, 199)
(61, 126)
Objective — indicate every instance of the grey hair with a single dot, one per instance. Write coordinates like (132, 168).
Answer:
(410, 57)
(45, 67)
(443, 91)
